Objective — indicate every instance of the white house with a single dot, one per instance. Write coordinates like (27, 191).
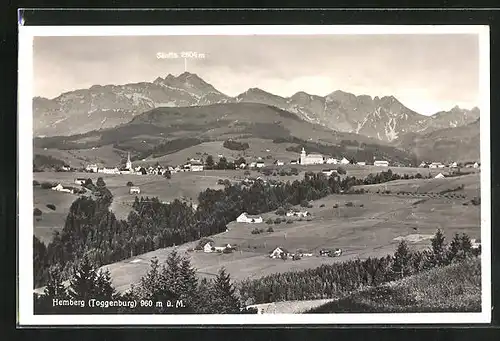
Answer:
(310, 159)
(329, 172)
(453, 165)
(476, 165)
(331, 161)
(361, 163)
(109, 170)
(260, 164)
(60, 188)
(380, 163)
(293, 162)
(297, 214)
(253, 164)
(91, 168)
(279, 163)
(439, 176)
(134, 190)
(80, 181)
(246, 218)
(196, 167)
(208, 247)
(242, 165)
(278, 252)
(422, 165)
(436, 165)
(344, 161)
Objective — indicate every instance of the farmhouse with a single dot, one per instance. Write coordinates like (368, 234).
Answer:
(91, 168)
(253, 164)
(279, 163)
(134, 190)
(80, 181)
(293, 162)
(108, 170)
(439, 176)
(380, 163)
(196, 167)
(310, 159)
(208, 247)
(436, 165)
(331, 161)
(361, 163)
(329, 172)
(246, 218)
(279, 252)
(344, 161)
(453, 165)
(297, 214)
(60, 188)
(259, 164)
(423, 165)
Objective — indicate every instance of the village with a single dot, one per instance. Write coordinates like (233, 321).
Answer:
(199, 165)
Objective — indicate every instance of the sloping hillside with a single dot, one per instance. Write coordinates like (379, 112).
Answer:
(454, 288)
(460, 144)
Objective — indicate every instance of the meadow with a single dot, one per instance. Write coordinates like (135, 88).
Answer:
(372, 230)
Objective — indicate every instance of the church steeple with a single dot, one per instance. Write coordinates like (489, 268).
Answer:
(129, 163)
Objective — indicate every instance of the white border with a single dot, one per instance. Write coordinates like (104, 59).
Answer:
(25, 196)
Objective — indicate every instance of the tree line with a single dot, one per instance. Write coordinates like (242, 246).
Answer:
(169, 288)
(338, 279)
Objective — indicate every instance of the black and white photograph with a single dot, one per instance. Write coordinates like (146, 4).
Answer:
(318, 174)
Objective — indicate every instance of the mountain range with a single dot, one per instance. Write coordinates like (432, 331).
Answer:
(101, 107)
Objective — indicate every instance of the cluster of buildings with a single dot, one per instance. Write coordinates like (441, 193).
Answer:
(319, 159)
(452, 165)
(193, 165)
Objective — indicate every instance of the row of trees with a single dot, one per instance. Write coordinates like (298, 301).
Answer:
(335, 280)
(174, 281)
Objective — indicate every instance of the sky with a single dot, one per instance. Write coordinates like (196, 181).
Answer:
(427, 73)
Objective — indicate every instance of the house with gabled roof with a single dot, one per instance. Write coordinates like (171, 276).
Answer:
(247, 218)
(279, 252)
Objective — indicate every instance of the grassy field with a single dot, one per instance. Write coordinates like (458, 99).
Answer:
(470, 182)
(105, 155)
(50, 220)
(257, 148)
(454, 288)
(372, 230)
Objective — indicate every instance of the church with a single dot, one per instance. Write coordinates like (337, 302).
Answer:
(310, 159)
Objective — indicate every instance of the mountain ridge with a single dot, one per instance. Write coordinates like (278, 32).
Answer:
(99, 107)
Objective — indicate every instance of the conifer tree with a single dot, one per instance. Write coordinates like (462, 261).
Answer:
(454, 249)
(438, 257)
(171, 274)
(88, 283)
(188, 286)
(53, 290)
(83, 281)
(225, 300)
(401, 265)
